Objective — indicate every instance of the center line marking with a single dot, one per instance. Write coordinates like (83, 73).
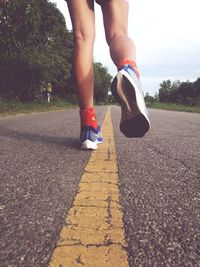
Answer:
(93, 235)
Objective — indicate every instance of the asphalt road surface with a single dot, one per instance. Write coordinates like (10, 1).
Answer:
(41, 165)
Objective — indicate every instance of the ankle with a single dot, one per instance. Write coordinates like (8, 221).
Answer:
(88, 118)
(130, 63)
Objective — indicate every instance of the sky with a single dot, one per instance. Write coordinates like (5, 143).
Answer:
(167, 38)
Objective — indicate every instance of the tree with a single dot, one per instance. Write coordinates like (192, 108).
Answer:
(102, 82)
(36, 48)
(187, 93)
(167, 91)
(149, 99)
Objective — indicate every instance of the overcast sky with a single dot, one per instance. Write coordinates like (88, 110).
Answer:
(167, 36)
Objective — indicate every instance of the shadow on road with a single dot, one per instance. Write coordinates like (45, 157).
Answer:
(72, 142)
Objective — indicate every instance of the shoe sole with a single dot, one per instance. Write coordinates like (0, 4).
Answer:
(134, 122)
(88, 144)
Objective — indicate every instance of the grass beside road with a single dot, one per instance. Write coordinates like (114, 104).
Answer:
(174, 107)
(15, 107)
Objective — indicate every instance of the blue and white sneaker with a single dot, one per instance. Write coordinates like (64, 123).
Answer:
(90, 137)
(127, 90)
(99, 136)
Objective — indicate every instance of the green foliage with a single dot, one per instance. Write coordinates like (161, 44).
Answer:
(174, 107)
(35, 48)
(102, 82)
(20, 79)
(187, 93)
(16, 106)
(149, 99)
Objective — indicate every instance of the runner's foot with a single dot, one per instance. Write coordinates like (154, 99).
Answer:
(90, 137)
(126, 88)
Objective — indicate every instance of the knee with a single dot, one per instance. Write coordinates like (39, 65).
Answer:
(81, 37)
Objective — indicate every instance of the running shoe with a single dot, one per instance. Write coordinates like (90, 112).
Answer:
(99, 136)
(127, 90)
(90, 137)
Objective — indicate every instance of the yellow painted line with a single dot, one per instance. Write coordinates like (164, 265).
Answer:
(93, 235)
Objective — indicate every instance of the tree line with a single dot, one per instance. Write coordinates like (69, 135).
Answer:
(36, 51)
(186, 93)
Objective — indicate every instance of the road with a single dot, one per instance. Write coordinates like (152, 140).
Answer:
(41, 166)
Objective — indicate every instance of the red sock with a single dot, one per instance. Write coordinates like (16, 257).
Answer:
(88, 118)
(127, 61)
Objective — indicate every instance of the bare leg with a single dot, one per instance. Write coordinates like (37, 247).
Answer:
(115, 13)
(83, 21)
(125, 86)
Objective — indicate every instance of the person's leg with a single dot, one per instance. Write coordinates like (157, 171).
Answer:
(122, 48)
(126, 86)
(82, 17)
(83, 21)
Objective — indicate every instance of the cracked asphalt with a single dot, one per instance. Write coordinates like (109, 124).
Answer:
(159, 186)
(41, 166)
